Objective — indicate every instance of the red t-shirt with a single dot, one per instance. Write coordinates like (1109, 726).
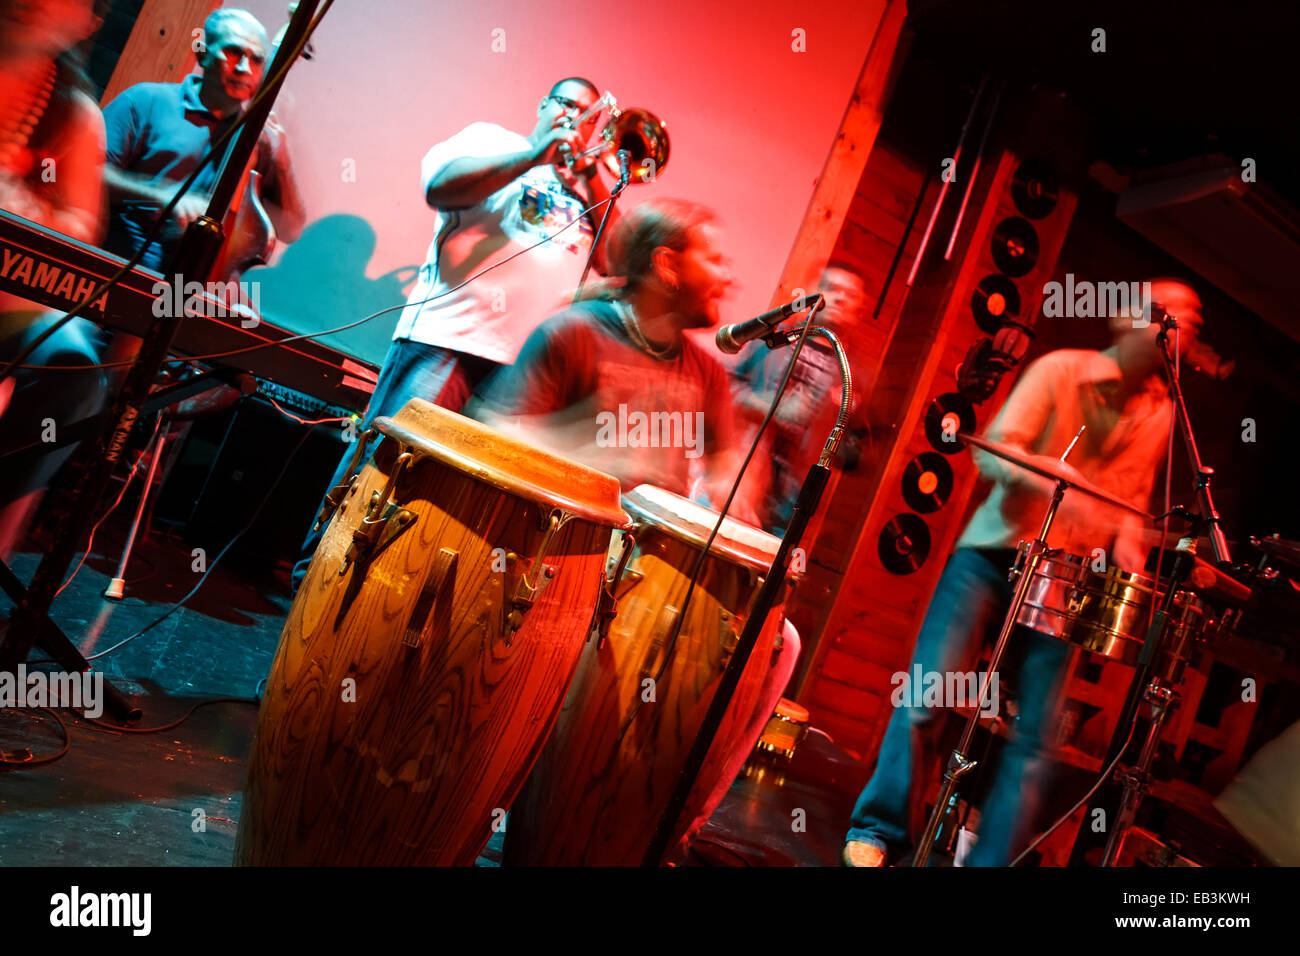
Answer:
(582, 388)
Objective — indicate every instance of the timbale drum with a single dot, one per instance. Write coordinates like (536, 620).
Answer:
(1107, 612)
(428, 649)
(618, 750)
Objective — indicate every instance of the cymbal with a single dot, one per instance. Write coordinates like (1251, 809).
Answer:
(1276, 547)
(1054, 469)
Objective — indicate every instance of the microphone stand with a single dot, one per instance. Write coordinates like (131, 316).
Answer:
(1203, 473)
(1183, 561)
(624, 174)
(805, 506)
(94, 461)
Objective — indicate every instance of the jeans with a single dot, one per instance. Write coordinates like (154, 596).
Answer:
(971, 600)
(410, 370)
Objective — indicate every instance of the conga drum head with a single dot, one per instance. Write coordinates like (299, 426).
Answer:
(428, 650)
(505, 462)
(693, 523)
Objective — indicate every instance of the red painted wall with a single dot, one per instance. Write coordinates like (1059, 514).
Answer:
(751, 122)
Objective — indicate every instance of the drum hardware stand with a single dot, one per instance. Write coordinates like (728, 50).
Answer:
(959, 764)
(1138, 689)
(774, 582)
(383, 523)
(1137, 780)
(607, 602)
(1183, 559)
(117, 586)
(94, 462)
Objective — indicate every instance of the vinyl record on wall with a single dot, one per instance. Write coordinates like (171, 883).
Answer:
(927, 482)
(947, 415)
(1034, 189)
(1015, 246)
(904, 543)
(994, 300)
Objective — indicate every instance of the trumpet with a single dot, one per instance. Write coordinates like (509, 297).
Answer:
(638, 131)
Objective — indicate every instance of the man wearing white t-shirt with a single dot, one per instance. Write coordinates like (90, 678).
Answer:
(497, 193)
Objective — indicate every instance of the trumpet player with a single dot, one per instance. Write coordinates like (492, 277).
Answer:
(496, 194)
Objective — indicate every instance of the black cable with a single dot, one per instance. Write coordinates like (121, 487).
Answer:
(215, 561)
(122, 729)
(31, 761)
(212, 565)
(152, 234)
(1105, 775)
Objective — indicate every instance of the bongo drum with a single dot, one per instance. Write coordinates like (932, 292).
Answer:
(428, 650)
(638, 699)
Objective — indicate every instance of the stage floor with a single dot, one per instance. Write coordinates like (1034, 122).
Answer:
(173, 798)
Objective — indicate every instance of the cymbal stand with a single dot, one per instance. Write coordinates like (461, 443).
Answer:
(959, 763)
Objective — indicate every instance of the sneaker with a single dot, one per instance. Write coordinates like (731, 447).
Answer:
(857, 853)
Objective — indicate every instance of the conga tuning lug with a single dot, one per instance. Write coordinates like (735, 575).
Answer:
(333, 500)
(607, 602)
(535, 579)
(383, 523)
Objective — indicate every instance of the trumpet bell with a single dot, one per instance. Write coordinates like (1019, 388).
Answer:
(645, 138)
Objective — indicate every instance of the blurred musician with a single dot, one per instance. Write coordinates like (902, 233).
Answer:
(809, 407)
(615, 383)
(497, 193)
(51, 161)
(1121, 396)
(159, 132)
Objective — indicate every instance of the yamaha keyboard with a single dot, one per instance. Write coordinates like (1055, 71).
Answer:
(59, 273)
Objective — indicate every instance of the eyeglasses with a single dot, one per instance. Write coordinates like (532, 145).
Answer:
(569, 105)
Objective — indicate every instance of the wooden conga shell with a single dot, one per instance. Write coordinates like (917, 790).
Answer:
(606, 775)
(402, 713)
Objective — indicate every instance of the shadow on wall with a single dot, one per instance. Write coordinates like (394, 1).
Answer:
(320, 282)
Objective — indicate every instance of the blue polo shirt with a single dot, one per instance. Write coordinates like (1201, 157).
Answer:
(162, 131)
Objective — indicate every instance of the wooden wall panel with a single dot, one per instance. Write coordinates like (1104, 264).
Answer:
(869, 617)
(161, 46)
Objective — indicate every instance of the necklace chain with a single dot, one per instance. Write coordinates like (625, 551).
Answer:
(633, 329)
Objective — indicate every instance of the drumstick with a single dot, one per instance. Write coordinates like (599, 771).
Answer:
(1073, 443)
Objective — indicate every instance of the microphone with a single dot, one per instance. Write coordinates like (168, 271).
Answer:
(1200, 356)
(624, 171)
(731, 338)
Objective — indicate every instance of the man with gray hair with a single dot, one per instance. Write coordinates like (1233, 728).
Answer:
(157, 133)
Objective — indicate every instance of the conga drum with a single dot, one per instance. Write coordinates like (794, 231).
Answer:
(638, 699)
(428, 650)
